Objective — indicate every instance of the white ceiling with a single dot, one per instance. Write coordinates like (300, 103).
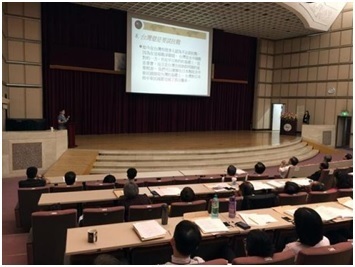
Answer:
(262, 20)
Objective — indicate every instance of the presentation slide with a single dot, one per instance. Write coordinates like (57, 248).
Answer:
(165, 58)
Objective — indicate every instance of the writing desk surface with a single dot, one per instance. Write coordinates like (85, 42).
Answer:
(83, 196)
(209, 172)
(197, 188)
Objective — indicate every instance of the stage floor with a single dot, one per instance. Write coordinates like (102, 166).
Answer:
(81, 158)
(182, 140)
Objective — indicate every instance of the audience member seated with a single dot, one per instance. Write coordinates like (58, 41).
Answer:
(187, 194)
(232, 173)
(132, 197)
(70, 178)
(131, 174)
(258, 243)
(343, 180)
(322, 166)
(317, 186)
(245, 189)
(291, 188)
(185, 241)
(309, 230)
(109, 179)
(348, 156)
(259, 168)
(327, 158)
(283, 169)
(33, 180)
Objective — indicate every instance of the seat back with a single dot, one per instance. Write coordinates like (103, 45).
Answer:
(49, 232)
(224, 204)
(325, 196)
(151, 255)
(280, 258)
(66, 188)
(99, 185)
(294, 199)
(187, 180)
(97, 216)
(179, 208)
(215, 179)
(257, 177)
(338, 254)
(158, 182)
(144, 212)
(345, 192)
(121, 183)
(28, 202)
(327, 179)
(261, 201)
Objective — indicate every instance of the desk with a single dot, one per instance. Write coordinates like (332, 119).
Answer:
(209, 172)
(83, 196)
(100, 177)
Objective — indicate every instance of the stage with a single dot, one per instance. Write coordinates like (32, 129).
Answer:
(82, 158)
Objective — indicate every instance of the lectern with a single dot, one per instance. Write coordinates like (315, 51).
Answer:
(71, 134)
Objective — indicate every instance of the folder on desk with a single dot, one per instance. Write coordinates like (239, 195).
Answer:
(148, 230)
(211, 225)
(118, 193)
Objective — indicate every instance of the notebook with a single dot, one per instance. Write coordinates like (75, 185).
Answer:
(148, 230)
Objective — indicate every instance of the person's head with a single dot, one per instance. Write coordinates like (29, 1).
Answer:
(348, 156)
(31, 172)
(258, 243)
(231, 170)
(324, 165)
(317, 186)
(283, 163)
(131, 173)
(106, 259)
(259, 167)
(130, 190)
(246, 188)
(69, 178)
(187, 194)
(291, 188)
(109, 179)
(327, 158)
(187, 238)
(293, 161)
(307, 112)
(309, 226)
(62, 112)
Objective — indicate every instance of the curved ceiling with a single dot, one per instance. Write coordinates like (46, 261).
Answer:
(262, 20)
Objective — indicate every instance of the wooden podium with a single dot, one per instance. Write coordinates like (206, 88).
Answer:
(288, 127)
(71, 134)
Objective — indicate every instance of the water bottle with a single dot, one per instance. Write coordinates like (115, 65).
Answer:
(215, 207)
(222, 180)
(232, 206)
(164, 214)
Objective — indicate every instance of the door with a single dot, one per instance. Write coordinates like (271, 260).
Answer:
(276, 115)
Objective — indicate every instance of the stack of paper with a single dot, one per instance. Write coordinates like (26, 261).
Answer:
(211, 225)
(254, 219)
(148, 230)
(302, 181)
(168, 191)
(260, 185)
(330, 213)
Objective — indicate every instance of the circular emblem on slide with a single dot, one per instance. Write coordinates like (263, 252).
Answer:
(138, 24)
(287, 127)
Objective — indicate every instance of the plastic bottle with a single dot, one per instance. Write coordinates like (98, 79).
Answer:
(232, 207)
(164, 214)
(215, 207)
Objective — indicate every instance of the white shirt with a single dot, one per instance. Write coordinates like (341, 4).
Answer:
(297, 246)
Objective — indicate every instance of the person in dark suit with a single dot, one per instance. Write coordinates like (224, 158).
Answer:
(62, 120)
(322, 166)
(32, 179)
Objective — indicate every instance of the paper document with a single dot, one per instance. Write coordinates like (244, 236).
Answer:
(302, 181)
(277, 184)
(148, 230)
(254, 219)
(346, 201)
(168, 191)
(118, 193)
(260, 185)
(330, 213)
(220, 186)
(211, 225)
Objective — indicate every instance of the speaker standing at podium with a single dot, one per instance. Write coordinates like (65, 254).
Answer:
(62, 120)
